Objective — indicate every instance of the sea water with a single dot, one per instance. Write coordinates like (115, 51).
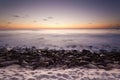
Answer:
(62, 38)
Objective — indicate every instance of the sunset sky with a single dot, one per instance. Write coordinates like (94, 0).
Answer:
(37, 14)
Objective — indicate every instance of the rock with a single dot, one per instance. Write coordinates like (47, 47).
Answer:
(49, 58)
(65, 76)
(31, 79)
(53, 77)
(91, 66)
(61, 79)
(81, 63)
(13, 78)
(7, 63)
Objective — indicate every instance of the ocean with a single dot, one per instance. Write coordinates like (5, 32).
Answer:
(93, 39)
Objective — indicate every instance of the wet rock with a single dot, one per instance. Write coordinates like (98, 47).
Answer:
(105, 74)
(85, 78)
(50, 73)
(61, 79)
(31, 79)
(42, 76)
(65, 76)
(53, 77)
(74, 77)
(91, 66)
(49, 58)
(13, 78)
(7, 63)
(59, 74)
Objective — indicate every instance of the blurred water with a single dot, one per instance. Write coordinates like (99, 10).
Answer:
(62, 38)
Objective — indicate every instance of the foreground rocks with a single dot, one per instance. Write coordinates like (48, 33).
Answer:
(50, 58)
(15, 72)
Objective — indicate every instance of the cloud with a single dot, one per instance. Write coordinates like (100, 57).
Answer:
(16, 16)
(22, 16)
(50, 17)
(89, 23)
(8, 22)
(45, 20)
(34, 21)
(26, 16)
(56, 23)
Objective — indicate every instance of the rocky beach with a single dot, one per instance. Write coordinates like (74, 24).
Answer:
(59, 39)
(80, 54)
(23, 63)
(15, 72)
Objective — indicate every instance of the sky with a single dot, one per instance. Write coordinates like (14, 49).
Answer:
(38, 14)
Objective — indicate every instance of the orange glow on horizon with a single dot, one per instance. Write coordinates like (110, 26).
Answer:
(54, 26)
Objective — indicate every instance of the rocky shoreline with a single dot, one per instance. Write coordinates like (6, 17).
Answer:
(15, 72)
(50, 58)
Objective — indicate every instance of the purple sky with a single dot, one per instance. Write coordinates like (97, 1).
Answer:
(59, 13)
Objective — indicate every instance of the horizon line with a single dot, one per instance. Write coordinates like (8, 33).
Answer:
(59, 28)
